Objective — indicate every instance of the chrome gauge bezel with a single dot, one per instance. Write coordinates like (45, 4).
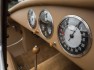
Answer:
(30, 24)
(89, 36)
(52, 29)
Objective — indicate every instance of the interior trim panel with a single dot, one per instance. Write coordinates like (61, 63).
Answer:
(70, 3)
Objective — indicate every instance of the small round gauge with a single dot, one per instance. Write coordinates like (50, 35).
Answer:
(46, 23)
(32, 18)
(74, 35)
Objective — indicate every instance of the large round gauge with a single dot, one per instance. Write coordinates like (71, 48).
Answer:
(74, 35)
(32, 18)
(46, 23)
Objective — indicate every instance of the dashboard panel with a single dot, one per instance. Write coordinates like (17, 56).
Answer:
(58, 13)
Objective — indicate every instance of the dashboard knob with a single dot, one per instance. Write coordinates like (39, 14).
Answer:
(36, 32)
(53, 44)
(36, 50)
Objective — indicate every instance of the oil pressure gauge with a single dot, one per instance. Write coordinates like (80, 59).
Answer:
(32, 18)
(46, 23)
(74, 35)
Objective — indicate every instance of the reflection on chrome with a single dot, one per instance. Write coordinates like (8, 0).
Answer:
(1, 59)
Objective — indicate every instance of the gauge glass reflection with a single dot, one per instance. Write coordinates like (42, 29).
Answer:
(32, 18)
(46, 23)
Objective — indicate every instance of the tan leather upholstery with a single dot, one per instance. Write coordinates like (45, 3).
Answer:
(10, 62)
(57, 62)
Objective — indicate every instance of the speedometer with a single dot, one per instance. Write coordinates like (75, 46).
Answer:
(46, 23)
(74, 35)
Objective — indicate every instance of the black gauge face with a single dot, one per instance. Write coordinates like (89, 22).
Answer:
(46, 23)
(32, 18)
(74, 35)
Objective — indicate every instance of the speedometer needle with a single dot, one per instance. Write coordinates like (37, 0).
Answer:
(72, 35)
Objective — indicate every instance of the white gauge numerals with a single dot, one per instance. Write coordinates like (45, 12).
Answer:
(82, 45)
(74, 35)
(83, 39)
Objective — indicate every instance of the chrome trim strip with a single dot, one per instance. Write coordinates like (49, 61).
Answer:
(15, 42)
(1, 51)
(1, 59)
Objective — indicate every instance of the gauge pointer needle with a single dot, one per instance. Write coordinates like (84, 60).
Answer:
(72, 35)
(78, 24)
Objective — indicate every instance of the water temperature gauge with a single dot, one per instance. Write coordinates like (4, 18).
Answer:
(74, 35)
(32, 18)
(46, 23)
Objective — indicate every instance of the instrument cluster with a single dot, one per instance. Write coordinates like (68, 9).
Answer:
(73, 32)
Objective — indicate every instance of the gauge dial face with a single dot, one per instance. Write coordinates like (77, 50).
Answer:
(46, 23)
(32, 18)
(74, 35)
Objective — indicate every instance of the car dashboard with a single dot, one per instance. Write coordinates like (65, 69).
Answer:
(65, 25)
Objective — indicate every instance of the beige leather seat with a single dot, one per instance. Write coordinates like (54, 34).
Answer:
(10, 62)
